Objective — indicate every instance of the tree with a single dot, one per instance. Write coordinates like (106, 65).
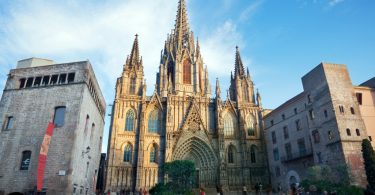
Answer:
(181, 177)
(369, 161)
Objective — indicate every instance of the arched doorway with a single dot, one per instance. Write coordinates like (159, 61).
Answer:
(198, 151)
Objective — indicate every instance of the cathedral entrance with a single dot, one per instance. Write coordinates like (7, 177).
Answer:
(194, 149)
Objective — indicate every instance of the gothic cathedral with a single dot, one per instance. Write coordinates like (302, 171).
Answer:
(180, 120)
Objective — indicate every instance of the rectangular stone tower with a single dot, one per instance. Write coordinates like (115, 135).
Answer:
(37, 92)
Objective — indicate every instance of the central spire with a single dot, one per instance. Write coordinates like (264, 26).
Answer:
(182, 25)
(238, 67)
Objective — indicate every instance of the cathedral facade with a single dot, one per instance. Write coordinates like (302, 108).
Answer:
(182, 121)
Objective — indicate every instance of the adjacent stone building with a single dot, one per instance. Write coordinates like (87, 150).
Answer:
(180, 120)
(365, 94)
(320, 126)
(38, 91)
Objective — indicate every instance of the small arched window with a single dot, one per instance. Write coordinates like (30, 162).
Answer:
(231, 154)
(128, 150)
(246, 93)
(25, 160)
(228, 125)
(59, 116)
(133, 83)
(153, 154)
(153, 122)
(348, 132)
(129, 122)
(253, 151)
(187, 72)
(250, 122)
(92, 130)
(87, 123)
(358, 132)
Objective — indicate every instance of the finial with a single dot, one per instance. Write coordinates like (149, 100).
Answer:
(136, 35)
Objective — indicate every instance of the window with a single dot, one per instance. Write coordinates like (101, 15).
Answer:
(29, 82)
(271, 122)
(246, 93)
(316, 136)
(286, 133)
(273, 137)
(92, 131)
(228, 125)
(86, 123)
(359, 98)
(298, 125)
(153, 154)
(326, 113)
(253, 151)
(231, 154)
(311, 114)
(59, 116)
(330, 136)
(128, 153)
(301, 147)
(45, 80)
(129, 122)
(87, 169)
(22, 83)
(132, 85)
(9, 123)
(283, 116)
(25, 160)
(37, 81)
(348, 132)
(295, 111)
(288, 150)
(62, 79)
(153, 122)
(370, 138)
(357, 132)
(319, 155)
(53, 79)
(309, 98)
(250, 125)
(341, 108)
(276, 156)
(187, 72)
(71, 77)
(352, 110)
(277, 171)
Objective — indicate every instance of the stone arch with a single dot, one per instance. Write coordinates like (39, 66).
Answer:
(251, 125)
(292, 177)
(231, 150)
(230, 124)
(154, 121)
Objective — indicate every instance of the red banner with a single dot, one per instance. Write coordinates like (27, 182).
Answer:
(43, 156)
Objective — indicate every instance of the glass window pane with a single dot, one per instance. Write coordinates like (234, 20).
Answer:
(25, 161)
(59, 117)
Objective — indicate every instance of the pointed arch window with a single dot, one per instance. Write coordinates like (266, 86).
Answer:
(231, 154)
(250, 122)
(246, 93)
(133, 82)
(228, 125)
(153, 122)
(153, 154)
(129, 122)
(253, 151)
(187, 72)
(128, 151)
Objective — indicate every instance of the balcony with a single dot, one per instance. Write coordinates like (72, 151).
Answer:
(298, 155)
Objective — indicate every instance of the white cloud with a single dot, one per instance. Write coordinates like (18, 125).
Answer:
(250, 10)
(335, 2)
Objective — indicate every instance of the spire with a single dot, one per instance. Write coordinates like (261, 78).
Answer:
(182, 25)
(134, 58)
(238, 66)
(259, 99)
(198, 48)
(218, 91)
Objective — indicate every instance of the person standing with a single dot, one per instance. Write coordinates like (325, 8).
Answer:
(244, 190)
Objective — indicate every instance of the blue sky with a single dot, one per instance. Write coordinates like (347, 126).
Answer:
(280, 41)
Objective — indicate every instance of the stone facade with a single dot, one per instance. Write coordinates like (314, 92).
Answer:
(365, 94)
(30, 99)
(181, 121)
(320, 126)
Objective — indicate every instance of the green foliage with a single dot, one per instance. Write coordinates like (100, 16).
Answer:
(324, 178)
(181, 176)
(369, 160)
